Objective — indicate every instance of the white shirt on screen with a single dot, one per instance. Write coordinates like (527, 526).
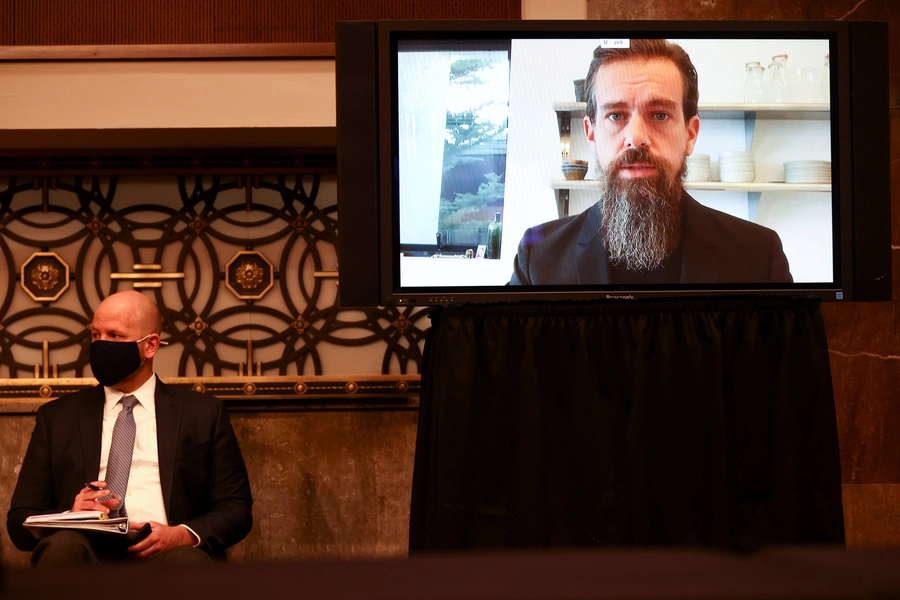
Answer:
(143, 497)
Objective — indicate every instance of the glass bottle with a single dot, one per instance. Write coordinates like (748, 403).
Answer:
(825, 82)
(494, 235)
(754, 88)
(808, 85)
(779, 84)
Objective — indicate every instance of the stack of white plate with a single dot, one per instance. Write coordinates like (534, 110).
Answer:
(697, 167)
(807, 171)
(737, 166)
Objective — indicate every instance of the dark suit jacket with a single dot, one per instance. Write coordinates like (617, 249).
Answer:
(202, 473)
(717, 248)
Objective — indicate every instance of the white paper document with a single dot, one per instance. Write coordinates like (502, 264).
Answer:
(85, 520)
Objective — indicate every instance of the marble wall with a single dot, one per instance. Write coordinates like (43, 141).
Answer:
(325, 484)
(863, 338)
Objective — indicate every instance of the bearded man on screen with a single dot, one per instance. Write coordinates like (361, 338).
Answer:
(641, 122)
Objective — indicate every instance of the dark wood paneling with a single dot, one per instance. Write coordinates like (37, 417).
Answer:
(80, 22)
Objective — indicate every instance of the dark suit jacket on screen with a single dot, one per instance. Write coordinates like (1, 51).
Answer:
(202, 473)
(717, 248)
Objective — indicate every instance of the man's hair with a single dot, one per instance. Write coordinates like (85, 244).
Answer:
(646, 49)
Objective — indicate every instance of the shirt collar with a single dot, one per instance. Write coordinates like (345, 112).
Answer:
(146, 395)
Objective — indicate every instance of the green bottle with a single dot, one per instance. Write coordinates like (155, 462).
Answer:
(495, 230)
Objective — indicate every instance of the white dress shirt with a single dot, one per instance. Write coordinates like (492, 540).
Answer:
(143, 497)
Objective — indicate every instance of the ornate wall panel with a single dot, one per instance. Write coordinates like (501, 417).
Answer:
(243, 266)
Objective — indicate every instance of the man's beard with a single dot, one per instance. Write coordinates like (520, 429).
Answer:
(641, 217)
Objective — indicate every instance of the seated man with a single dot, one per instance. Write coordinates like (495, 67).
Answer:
(641, 123)
(170, 454)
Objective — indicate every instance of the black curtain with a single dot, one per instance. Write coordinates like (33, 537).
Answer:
(704, 422)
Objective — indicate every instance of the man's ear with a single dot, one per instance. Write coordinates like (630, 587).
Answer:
(151, 346)
(588, 129)
(693, 130)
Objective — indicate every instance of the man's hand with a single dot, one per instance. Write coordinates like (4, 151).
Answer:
(162, 537)
(89, 498)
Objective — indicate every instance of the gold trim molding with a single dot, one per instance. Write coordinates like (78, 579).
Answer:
(247, 394)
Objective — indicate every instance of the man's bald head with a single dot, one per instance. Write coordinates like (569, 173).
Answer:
(132, 311)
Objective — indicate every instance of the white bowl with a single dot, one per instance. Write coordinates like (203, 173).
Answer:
(738, 177)
(735, 154)
(696, 176)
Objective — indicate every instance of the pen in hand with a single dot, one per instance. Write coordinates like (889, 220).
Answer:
(95, 495)
(110, 494)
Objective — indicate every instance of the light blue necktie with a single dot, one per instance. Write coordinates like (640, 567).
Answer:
(118, 465)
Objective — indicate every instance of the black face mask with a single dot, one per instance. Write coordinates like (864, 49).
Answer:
(112, 362)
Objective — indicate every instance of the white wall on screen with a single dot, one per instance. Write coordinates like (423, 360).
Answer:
(542, 72)
(804, 225)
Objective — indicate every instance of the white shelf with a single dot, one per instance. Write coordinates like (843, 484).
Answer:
(590, 184)
(757, 187)
(731, 110)
(749, 114)
(773, 107)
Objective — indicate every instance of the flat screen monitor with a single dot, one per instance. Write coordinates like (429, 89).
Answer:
(581, 160)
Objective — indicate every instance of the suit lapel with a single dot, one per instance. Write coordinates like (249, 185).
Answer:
(168, 422)
(90, 420)
(700, 260)
(592, 261)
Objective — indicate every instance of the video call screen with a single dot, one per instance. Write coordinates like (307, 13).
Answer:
(487, 133)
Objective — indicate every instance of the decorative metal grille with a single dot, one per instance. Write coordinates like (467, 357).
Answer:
(243, 268)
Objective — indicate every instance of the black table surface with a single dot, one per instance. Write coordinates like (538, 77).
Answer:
(787, 572)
